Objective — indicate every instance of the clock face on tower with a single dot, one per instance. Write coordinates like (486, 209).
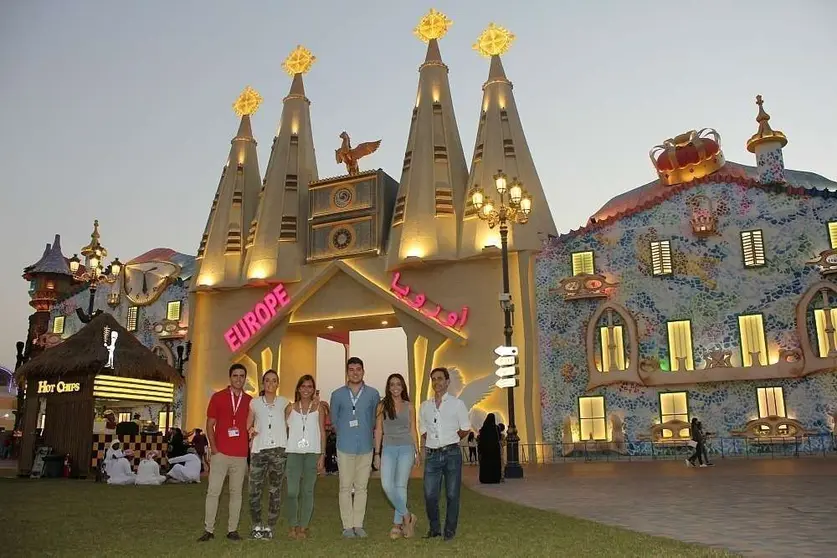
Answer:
(143, 283)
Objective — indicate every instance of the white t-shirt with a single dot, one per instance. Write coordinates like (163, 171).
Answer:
(442, 423)
(304, 426)
(271, 430)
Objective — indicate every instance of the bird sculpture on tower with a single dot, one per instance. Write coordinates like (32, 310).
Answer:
(349, 155)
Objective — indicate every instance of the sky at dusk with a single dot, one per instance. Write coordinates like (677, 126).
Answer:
(121, 111)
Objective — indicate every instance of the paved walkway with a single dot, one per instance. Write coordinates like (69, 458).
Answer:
(775, 508)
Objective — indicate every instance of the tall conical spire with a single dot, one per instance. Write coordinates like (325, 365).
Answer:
(429, 203)
(501, 146)
(278, 233)
(221, 255)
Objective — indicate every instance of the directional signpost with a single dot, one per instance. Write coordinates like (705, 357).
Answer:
(507, 360)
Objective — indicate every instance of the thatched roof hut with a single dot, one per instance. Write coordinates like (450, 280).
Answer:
(84, 354)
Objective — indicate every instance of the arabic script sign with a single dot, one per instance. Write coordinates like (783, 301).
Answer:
(453, 320)
(254, 320)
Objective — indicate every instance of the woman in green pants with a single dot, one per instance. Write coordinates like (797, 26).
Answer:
(306, 442)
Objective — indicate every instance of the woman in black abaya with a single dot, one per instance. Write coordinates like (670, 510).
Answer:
(489, 451)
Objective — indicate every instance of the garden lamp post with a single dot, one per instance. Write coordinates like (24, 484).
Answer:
(513, 206)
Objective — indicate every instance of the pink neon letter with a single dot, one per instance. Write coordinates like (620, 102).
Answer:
(252, 322)
(281, 295)
(271, 303)
(232, 340)
(262, 313)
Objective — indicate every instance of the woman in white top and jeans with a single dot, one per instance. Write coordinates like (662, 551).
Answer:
(306, 442)
(269, 436)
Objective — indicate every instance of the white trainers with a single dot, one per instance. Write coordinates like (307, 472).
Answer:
(257, 532)
(703, 464)
(689, 463)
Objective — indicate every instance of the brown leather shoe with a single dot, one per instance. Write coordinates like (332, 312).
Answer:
(293, 533)
(302, 533)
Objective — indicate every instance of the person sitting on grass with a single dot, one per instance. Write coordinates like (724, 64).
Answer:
(148, 472)
(186, 468)
(120, 473)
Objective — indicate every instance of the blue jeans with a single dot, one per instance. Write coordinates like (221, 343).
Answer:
(444, 463)
(396, 464)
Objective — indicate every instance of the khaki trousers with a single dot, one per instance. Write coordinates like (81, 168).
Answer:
(220, 467)
(354, 474)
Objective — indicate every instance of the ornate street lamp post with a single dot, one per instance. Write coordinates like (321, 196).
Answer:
(93, 274)
(514, 206)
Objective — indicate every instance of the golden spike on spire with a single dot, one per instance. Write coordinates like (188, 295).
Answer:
(765, 133)
(434, 25)
(299, 61)
(494, 41)
(248, 102)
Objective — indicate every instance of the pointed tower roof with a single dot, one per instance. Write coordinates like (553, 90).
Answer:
(52, 261)
(765, 133)
(428, 209)
(279, 231)
(501, 148)
(221, 252)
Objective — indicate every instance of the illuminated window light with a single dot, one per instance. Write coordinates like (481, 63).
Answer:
(58, 325)
(591, 418)
(661, 257)
(680, 345)
(165, 419)
(832, 234)
(582, 263)
(674, 406)
(124, 417)
(132, 319)
(753, 343)
(826, 340)
(612, 349)
(173, 309)
(752, 248)
(771, 402)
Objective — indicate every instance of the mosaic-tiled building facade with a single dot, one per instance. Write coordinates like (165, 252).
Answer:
(705, 297)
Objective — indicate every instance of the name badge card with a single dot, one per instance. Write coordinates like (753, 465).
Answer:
(353, 423)
(233, 432)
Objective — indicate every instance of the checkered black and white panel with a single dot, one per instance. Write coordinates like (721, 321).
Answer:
(140, 445)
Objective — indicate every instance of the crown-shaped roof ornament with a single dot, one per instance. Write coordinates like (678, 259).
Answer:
(688, 156)
(248, 102)
(494, 41)
(434, 25)
(299, 61)
(765, 132)
(95, 247)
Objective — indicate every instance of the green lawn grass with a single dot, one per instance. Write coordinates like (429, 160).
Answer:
(53, 517)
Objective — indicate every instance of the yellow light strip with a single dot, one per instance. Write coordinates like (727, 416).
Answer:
(133, 380)
(132, 392)
(110, 383)
(132, 397)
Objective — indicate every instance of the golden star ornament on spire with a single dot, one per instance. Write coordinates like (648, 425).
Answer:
(494, 41)
(299, 61)
(248, 102)
(434, 25)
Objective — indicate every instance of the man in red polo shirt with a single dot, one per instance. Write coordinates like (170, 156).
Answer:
(226, 429)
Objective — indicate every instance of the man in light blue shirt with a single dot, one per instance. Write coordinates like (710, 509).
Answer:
(353, 419)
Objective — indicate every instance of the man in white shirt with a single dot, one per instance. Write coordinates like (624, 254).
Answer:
(443, 422)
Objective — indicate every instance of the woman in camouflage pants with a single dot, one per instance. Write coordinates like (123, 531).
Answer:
(269, 434)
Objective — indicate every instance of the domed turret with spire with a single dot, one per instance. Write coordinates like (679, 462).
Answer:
(278, 233)
(501, 146)
(767, 145)
(221, 253)
(428, 209)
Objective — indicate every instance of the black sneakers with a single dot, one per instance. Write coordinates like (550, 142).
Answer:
(207, 536)
(234, 536)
